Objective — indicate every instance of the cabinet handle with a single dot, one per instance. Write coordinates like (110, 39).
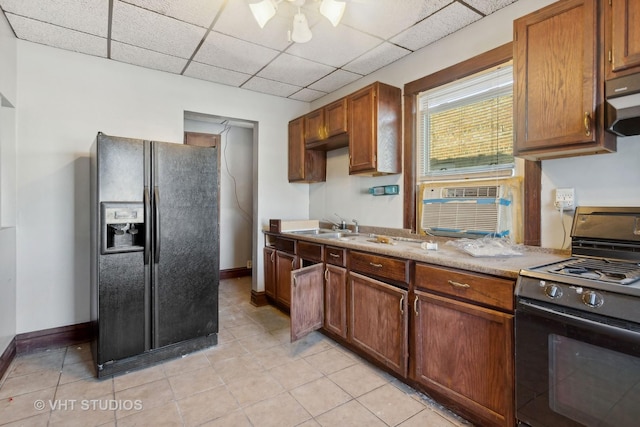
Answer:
(332, 255)
(326, 273)
(293, 263)
(458, 284)
(401, 304)
(587, 123)
(373, 264)
(415, 305)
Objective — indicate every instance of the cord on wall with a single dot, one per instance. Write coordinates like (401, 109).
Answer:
(224, 133)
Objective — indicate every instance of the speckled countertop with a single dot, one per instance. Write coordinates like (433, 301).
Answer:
(408, 246)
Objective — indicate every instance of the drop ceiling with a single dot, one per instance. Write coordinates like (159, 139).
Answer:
(220, 41)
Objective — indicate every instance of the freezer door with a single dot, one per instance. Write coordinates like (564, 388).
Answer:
(186, 242)
(122, 282)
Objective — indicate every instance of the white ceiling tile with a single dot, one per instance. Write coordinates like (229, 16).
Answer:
(307, 95)
(386, 18)
(271, 87)
(437, 26)
(489, 6)
(89, 16)
(146, 58)
(335, 81)
(234, 54)
(273, 35)
(52, 35)
(199, 12)
(150, 30)
(378, 57)
(216, 74)
(294, 70)
(334, 46)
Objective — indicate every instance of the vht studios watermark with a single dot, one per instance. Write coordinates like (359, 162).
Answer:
(88, 405)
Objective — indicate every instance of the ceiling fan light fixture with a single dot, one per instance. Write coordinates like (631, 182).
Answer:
(263, 11)
(332, 10)
(301, 32)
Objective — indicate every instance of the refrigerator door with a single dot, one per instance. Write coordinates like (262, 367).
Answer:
(186, 242)
(122, 278)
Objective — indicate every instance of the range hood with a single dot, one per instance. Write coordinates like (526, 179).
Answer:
(623, 105)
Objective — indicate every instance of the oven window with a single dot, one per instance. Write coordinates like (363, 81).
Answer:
(593, 385)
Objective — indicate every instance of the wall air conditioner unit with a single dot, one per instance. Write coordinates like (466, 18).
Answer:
(467, 210)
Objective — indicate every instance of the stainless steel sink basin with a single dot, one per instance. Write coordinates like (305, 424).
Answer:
(326, 233)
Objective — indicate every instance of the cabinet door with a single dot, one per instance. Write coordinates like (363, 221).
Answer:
(625, 35)
(314, 129)
(270, 272)
(378, 321)
(335, 300)
(335, 118)
(362, 130)
(307, 301)
(285, 264)
(304, 165)
(556, 80)
(465, 353)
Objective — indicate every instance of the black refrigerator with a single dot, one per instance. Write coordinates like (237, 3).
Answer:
(154, 251)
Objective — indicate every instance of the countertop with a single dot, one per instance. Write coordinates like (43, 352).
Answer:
(447, 255)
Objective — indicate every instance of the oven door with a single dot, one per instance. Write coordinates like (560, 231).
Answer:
(574, 368)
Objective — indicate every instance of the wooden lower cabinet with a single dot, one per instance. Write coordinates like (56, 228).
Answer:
(270, 272)
(307, 301)
(378, 321)
(464, 353)
(285, 264)
(335, 300)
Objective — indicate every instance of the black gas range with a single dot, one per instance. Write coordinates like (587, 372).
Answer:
(577, 327)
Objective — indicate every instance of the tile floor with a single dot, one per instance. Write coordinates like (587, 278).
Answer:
(253, 377)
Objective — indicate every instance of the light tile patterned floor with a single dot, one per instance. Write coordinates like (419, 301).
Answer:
(253, 377)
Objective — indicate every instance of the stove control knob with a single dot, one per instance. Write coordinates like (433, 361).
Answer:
(553, 291)
(592, 299)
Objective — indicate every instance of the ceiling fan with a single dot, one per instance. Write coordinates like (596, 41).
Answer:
(264, 10)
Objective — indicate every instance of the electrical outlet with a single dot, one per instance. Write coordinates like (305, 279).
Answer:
(249, 264)
(565, 199)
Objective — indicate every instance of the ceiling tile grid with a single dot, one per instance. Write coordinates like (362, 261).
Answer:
(221, 42)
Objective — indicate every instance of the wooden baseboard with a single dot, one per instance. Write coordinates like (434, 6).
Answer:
(7, 357)
(54, 337)
(232, 273)
(259, 298)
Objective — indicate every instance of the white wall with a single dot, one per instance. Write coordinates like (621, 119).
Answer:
(8, 88)
(610, 179)
(236, 191)
(65, 99)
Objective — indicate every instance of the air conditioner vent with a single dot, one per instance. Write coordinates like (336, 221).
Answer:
(487, 191)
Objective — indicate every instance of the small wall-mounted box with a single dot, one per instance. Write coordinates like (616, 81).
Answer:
(384, 190)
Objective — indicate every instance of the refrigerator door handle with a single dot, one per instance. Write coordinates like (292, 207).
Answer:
(147, 224)
(156, 222)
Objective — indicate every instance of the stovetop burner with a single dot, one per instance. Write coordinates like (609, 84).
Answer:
(618, 272)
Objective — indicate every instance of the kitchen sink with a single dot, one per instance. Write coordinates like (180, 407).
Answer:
(326, 233)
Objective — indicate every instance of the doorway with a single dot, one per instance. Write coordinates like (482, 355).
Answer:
(235, 139)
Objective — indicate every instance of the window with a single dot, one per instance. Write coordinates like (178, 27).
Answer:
(465, 128)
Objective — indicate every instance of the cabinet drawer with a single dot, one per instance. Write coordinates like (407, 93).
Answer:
(475, 288)
(379, 266)
(335, 256)
(310, 251)
(285, 245)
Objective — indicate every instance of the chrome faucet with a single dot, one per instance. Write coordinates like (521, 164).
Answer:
(355, 228)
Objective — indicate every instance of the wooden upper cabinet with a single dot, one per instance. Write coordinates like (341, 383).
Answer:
(558, 82)
(374, 130)
(304, 165)
(622, 35)
(325, 123)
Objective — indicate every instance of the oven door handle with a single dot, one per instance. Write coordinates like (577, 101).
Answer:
(594, 326)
